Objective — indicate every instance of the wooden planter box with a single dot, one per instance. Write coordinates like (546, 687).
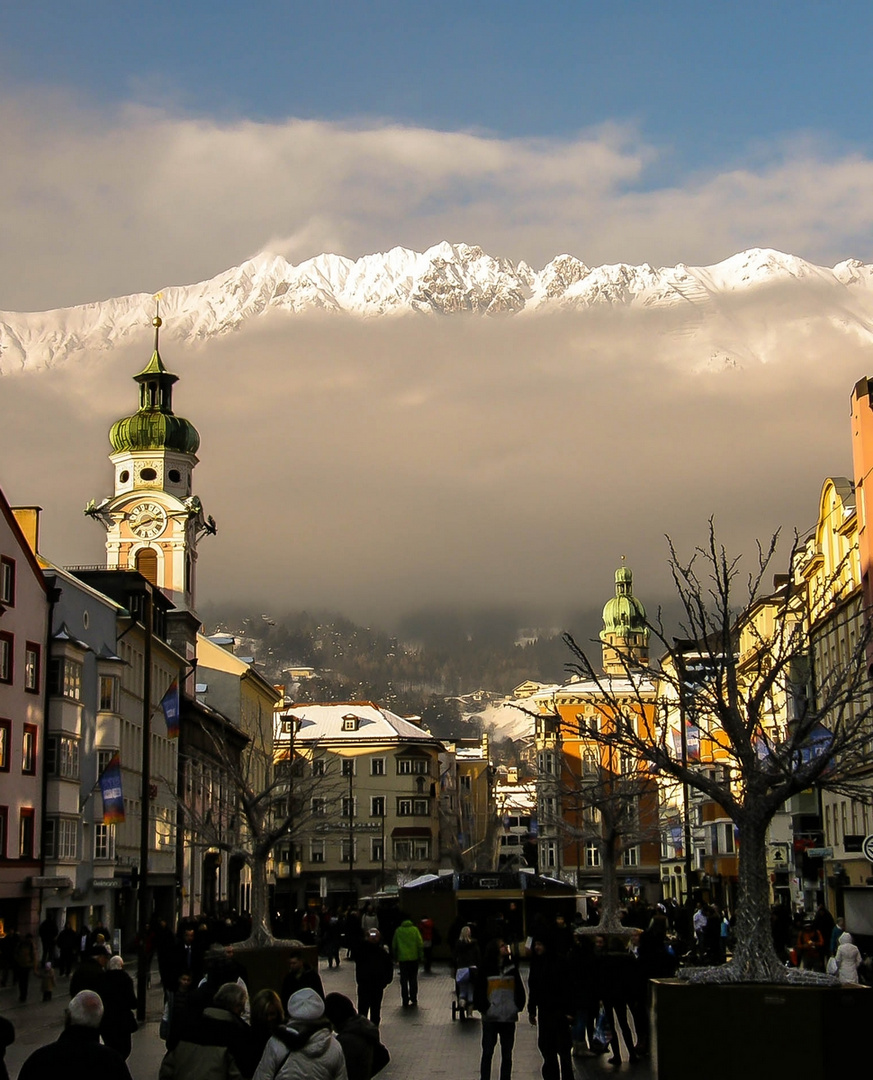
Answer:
(739, 1031)
(267, 967)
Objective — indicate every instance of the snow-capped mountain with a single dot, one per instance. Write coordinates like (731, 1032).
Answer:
(446, 280)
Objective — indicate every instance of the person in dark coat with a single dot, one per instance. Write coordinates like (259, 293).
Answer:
(119, 1002)
(358, 1037)
(77, 1054)
(613, 976)
(7, 1038)
(267, 1016)
(178, 1011)
(300, 975)
(188, 957)
(551, 1007)
(68, 947)
(89, 975)
(374, 971)
(332, 937)
(48, 935)
(211, 1037)
(25, 964)
(165, 949)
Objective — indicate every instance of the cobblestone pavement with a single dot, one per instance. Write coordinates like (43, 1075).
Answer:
(424, 1042)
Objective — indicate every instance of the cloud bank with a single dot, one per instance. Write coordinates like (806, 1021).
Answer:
(391, 466)
(102, 203)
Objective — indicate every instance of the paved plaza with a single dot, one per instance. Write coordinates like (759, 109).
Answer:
(425, 1043)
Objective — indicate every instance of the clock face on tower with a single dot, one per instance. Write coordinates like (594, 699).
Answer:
(147, 520)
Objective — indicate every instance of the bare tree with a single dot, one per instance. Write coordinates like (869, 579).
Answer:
(249, 806)
(613, 808)
(777, 723)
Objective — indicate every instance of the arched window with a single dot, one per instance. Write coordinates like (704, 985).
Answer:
(147, 564)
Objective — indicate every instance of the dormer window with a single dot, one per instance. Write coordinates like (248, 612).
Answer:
(351, 722)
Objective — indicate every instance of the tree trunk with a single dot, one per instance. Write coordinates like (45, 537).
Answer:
(261, 932)
(754, 954)
(609, 907)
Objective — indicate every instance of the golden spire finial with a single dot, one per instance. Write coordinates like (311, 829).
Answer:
(157, 321)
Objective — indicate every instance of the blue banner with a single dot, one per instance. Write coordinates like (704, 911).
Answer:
(170, 705)
(110, 789)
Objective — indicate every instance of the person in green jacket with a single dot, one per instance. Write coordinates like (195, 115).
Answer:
(408, 950)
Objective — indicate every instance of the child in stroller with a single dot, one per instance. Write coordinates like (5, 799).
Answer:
(467, 960)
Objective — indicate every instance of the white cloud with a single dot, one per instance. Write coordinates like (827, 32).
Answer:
(94, 204)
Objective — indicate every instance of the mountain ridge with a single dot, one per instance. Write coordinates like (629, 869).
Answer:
(445, 280)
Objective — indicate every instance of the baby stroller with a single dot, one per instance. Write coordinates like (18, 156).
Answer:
(462, 1006)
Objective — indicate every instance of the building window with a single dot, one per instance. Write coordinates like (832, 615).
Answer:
(348, 767)
(412, 766)
(25, 832)
(316, 851)
(349, 806)
(377, 806)
(413, 808)
(6, 656)
(348, 851)
(5, 735)
(62, 757)
(549, 855)
(103, 759)
(7, 581)
(377, 766)
(319, 807)
(62, 839)
(31, 667)
(592, 853)
(28, 750)
(108, 693)
(318, 767)
(465, 782)
(4, 829)
(412, 850)
(65, 678)
(104, 842)
(630, 856)
(377, 849)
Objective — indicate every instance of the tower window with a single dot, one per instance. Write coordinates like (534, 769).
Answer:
(147, 564)
(124, 476)
(148, 474)
(175, 476)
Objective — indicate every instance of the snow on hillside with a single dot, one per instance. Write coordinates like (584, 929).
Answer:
(445, 280)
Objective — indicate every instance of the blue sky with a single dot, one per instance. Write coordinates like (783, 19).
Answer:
(708, 79)
(689, 131)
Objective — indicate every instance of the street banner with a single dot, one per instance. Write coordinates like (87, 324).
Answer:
(110, 789)
(170, 705)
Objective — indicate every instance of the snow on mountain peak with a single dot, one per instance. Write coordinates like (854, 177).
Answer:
(446, 279)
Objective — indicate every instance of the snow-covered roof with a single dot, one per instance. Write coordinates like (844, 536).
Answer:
(319, 722)
(606, 685)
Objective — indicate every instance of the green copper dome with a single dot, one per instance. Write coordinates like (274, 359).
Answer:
(154, 426)
(624, 614)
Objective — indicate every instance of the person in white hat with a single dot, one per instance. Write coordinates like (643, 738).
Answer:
(306, 1047)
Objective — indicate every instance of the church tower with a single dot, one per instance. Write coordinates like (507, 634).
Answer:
(625, 633)
(153, 521)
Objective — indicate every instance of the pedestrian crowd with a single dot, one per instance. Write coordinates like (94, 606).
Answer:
(587, 990)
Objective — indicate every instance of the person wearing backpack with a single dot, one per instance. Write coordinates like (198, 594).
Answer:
(305, 1048)
(499, 997)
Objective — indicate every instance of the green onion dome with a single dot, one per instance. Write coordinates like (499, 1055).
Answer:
(624, 614)
(154, 426)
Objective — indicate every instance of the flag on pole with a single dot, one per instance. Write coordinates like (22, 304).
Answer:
(110, 789)
(170, 705)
